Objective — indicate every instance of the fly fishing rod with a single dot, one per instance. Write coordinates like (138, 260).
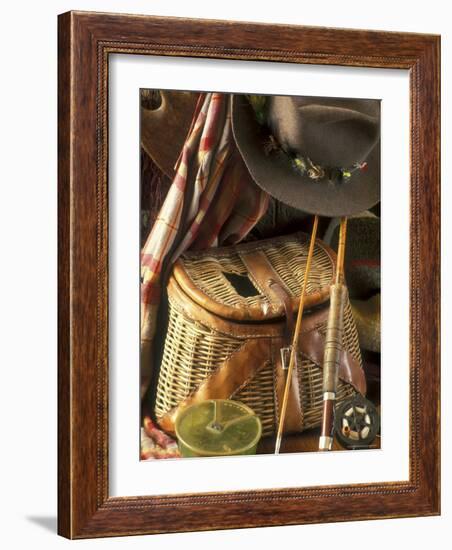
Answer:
(333, 344)
(294, 347)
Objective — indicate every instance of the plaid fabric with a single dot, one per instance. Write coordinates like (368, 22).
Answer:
(155, 443)
(224, 205)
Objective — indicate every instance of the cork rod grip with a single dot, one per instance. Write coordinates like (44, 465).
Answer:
(331, 360)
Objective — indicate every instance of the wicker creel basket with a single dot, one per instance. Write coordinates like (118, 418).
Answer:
(228, 310)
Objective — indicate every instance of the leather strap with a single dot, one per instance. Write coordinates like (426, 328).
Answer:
(287, 303)
(230, 377)
(312, 345)
(294, 418)
(269, 283)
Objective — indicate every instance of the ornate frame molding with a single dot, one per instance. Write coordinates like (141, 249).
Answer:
(85, 42)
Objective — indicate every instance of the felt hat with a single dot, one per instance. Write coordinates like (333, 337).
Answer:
(320, 155)
(165, 126)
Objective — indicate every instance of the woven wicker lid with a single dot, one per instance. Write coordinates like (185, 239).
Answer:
(238, 282)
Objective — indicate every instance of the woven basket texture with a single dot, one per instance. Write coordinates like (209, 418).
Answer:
(287, 256)
(194, 351)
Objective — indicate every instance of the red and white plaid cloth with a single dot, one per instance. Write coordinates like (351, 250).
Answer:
(224, 205)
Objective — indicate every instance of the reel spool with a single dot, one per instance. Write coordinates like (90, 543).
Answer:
(356, 423)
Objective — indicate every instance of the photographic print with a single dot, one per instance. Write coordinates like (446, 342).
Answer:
(260, 274)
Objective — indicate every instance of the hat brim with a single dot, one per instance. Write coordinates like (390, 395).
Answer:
(275, 174)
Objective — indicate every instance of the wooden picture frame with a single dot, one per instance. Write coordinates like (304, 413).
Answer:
(85, 42)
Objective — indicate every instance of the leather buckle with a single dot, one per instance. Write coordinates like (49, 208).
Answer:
(285, 357)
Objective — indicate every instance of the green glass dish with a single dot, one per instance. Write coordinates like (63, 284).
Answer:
(218, 427)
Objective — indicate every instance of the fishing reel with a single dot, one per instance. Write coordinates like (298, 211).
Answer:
(356, 423)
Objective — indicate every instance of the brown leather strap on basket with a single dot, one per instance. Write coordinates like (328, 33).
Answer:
(268, 282)
(233, 374)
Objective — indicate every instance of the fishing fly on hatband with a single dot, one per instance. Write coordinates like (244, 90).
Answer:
(294, 347)
(333, 344)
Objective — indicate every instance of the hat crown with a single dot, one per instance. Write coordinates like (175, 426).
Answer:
(332, 134)
(336, 133)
